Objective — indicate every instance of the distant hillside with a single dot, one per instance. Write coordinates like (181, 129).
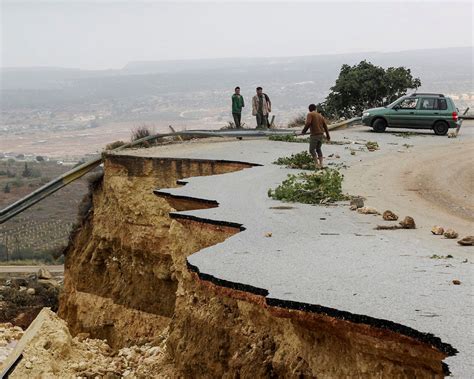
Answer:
(292, 81)
(454, 58)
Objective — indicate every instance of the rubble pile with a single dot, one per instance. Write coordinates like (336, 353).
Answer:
(9, 336)
(53, 352)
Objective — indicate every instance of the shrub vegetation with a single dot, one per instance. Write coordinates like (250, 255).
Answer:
(288, 138)
(320, 187)
(302, 160)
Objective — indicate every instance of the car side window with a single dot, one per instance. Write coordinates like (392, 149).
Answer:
(442, 104)
(428, 104)
(409, 103)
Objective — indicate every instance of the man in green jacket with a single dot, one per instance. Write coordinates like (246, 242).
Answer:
(237, 105)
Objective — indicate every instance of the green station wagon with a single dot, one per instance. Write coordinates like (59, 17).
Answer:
(415, 111)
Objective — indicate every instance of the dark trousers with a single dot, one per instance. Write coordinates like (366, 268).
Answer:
(237, 118)
(261, 120)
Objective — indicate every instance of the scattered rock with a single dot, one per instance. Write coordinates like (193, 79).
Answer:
(372, 145)
(48, 282)
(337, 156)
(353, 152)
(155, 350)
(437, 230)
(43, 273)
(450, 233)
(466, 241)
(368, 210)
(82, 336)
(408, 223)
(358, 202)
(269, 234)
(53, 353)
(30, 291)
(353, 207)
(389, 216)
(456, 282)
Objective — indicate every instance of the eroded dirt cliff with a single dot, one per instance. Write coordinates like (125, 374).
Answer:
(126, 280)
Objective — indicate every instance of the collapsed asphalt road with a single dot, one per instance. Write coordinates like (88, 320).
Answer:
(329, 258)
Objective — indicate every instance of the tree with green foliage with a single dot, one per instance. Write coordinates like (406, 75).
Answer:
(365, 86)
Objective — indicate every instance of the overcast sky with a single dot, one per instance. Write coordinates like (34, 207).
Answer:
(108, 34)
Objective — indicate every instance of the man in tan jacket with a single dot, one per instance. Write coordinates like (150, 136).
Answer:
(261, 107)
(318, 127)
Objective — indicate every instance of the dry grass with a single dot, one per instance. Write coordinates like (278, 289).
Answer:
(140, 132)
(114, 145)
(297, 121)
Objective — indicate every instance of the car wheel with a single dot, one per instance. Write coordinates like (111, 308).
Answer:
(379, 125)
(440, 128)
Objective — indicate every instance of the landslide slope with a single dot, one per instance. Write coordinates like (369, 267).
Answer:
(127, 280)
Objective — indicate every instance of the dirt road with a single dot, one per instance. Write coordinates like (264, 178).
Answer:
(432, 181)
(30, 269)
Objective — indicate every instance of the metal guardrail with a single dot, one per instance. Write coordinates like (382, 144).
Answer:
(77, 172)
(344, 123)
(47, 190)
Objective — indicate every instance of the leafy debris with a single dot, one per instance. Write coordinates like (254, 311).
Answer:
(320, 187)
(302, 160)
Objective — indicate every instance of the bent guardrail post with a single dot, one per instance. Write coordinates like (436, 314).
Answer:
(343, 123)
(461, 119)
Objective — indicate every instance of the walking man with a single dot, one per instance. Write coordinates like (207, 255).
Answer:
(261, 107)
(237, 105)
(318, 127)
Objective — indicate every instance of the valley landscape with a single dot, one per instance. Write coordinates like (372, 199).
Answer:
(211, 257)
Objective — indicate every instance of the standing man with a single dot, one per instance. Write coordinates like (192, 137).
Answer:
(317, 125)
(261, 107)
(237, 105)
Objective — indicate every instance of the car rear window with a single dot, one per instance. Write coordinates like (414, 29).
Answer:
(442, 104)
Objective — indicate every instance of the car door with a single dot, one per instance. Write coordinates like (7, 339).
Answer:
(426, 112)
(404, 113)
(442, 111)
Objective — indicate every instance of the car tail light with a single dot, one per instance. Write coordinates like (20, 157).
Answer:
(455, 116)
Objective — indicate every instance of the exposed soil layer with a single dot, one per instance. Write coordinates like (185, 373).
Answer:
(127, 279)
(219, 332)
(127, 250)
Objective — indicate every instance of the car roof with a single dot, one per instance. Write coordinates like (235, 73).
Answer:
(427, 94)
